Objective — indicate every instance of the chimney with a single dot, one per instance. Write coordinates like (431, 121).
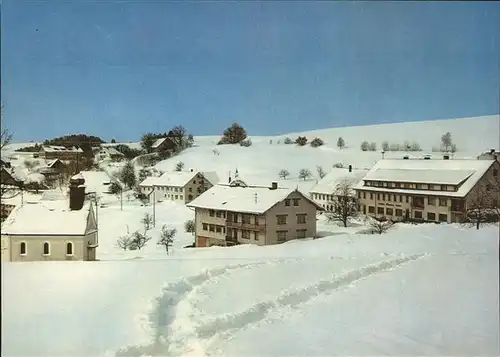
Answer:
(446, 157)
(191, 170)
(229, 180)
(492, 151)
(350, 168)
(274, 185)
(76, 192)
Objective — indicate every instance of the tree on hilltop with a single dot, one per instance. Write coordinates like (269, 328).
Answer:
(233, 135)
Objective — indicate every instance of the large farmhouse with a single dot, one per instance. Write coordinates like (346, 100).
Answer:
(236, 213)
(178, 186)
(427, 190)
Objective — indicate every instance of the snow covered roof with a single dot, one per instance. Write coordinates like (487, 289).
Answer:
(49, 218)
(211, 177)
(158, 142)
(175, 178)
(328, 183)
(54, 148)
(242, 199)
(52, 162)
(451, 172)
(96, 181)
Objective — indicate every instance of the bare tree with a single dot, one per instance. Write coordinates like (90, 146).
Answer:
(5, 134)
(446, 141)
(365, 145)
(321, 171)
(179, 166)
(147, 221)
(189, 226)
(380, 225)
(284, 174)
(483, 205)
(385, 146)
(167, 237)
(305, 174)
(372, 147)
(340, 143)
(344, 203)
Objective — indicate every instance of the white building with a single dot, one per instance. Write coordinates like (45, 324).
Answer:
(178, 186)
(323, 192)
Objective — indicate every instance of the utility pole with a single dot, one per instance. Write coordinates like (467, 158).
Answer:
(154, 206)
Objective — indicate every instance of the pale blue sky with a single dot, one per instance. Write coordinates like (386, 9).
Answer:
(117, 69)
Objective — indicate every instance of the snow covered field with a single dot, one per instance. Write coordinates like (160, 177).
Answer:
(416, 290)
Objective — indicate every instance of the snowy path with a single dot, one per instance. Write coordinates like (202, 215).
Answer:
(182, 330)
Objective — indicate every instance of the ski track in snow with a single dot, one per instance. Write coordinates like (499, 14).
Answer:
(179, 332)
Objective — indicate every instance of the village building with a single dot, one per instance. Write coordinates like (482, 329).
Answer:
(178, 186)
(47, 230)
(103, 153)
(49, 152)
(324, 191)
(426, 190)
(163, 144)
(236, 213)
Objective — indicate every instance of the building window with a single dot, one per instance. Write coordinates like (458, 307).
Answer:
(190, 197)
(301, 233)
(371, 196)
(431, 216)
(443, 217)
(23, 248)
(245, 219)
(211, 227)
(69, 248)
(380, 210)
(190, 189)
(205, 227)
(389, 197)
(176, 197)
(211, 213)
(378, 196)
(281, 236)
(301, 218)
(407, 199)
(397, 184)
(371, 209)
(296, 201)
(418, 214)
(495, 172)
(399, 212)
(218, 214)
(245, 234)
(181, 197)
(46, 248)
(287, 202)
(443, 202)
(218, 229)
(359, 194)
(281, 219)
(389, 211)
(431, 201)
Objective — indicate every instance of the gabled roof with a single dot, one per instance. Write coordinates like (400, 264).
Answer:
(451, 172)
(50, 218)
(211, 176)
(249, 199)
(328, 183)
(51, 163)
(158, 142)
(175, 178)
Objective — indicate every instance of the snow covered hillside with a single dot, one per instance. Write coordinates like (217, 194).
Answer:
(419, 290)
(429, 289)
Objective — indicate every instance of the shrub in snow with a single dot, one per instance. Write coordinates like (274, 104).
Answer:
(301, 141)
(124, 242)
(233, 135)
(338, 165)
(385, 145)
(380, 225)
(189, 226)
(316, 142)
(167, 237)
(288, 141)
(365, 146)
(138, 241)
(284, 174)
(305, 174)
(372, 147)
(179, 166)
(115, 188)
(246, 143)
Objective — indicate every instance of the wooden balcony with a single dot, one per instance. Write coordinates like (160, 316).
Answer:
(245, 226)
